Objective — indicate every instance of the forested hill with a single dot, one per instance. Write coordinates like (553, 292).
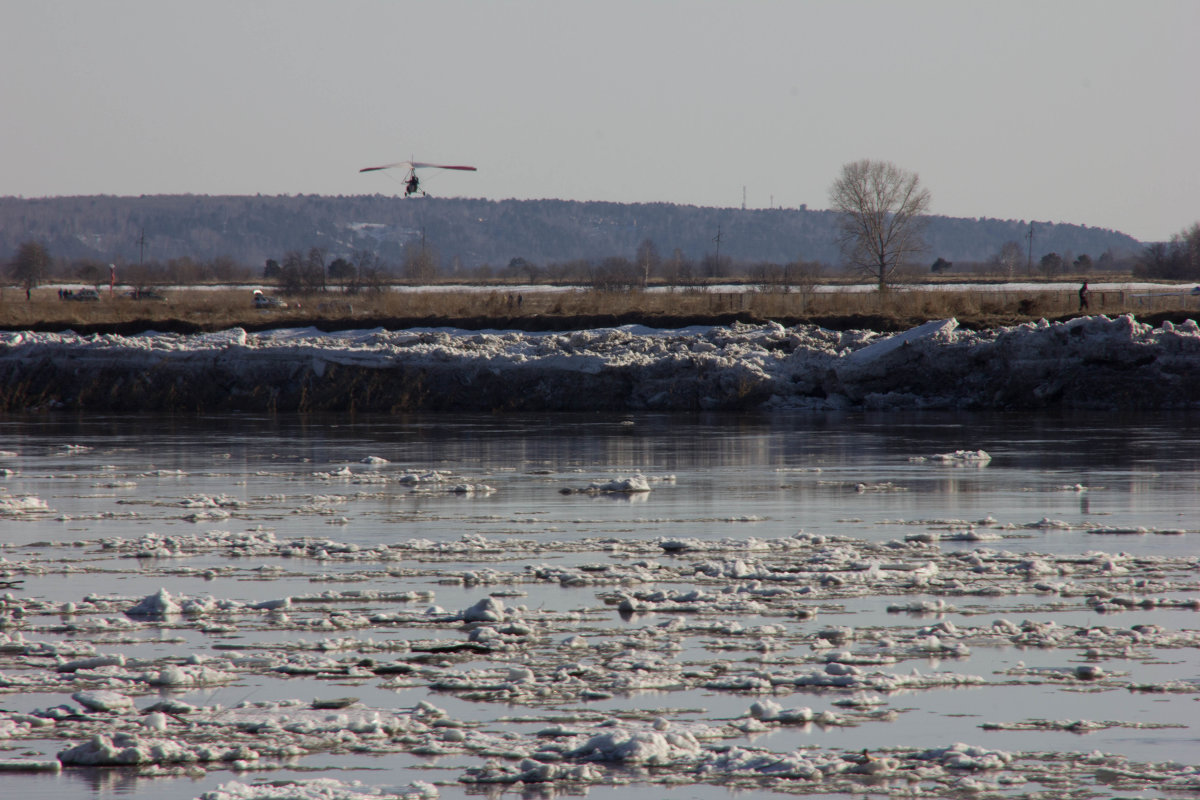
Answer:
(470, 232)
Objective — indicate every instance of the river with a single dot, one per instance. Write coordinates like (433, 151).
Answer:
(1037, 571)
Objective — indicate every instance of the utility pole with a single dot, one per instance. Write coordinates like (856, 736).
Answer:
(743, 198)
(141, 240)
(1029, 264)
(717, 239)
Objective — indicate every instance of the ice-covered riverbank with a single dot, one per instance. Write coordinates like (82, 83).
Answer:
(1091, 362)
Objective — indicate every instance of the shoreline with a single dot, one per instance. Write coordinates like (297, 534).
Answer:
(1096, 363)
(543, 323)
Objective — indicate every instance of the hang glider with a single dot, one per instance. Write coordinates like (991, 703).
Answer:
(412, 184)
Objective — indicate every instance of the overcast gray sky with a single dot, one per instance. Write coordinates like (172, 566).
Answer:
(1082, 112)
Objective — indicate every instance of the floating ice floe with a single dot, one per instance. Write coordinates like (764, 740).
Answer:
(204, 501)
(770, 711)
(156, 606)
(187, 675)
(966, 757)
(320, 789)
(17, 506)
(731, 617)
(958, 458)
(1072, 726)
(126, 749)
(490, 609)
(104, 700)
(425, 476)
(628, 485)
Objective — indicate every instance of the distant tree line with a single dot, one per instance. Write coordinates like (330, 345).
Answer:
(882, 231)
(1178, 259)
(204, 233)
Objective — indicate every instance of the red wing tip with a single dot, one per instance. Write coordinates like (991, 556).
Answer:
(425, 164)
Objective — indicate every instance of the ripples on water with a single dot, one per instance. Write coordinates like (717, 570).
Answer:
(1056, 486)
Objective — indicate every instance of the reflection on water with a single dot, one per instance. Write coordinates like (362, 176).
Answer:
(1062, 440)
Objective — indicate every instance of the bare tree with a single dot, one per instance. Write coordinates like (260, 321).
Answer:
(314, 270)
(371, 274)
(677, 269)
(883, 212)
(1008, 258)
(805, 276)
(616, 273)
(291, 272)
(30, 265)
(420, 263)
(770, 277)
(647, 259)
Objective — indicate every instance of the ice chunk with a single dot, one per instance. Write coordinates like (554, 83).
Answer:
(103, 700)
(124, 749)
(489, 609)
(15, 506)
(155, 606)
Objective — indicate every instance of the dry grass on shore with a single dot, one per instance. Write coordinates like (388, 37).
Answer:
(216, 309)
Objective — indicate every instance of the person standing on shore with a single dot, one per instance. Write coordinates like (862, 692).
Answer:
(1083, 297)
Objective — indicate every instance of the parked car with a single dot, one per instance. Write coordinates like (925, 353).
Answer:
(144, 294)
(266, 301)
(85, 295)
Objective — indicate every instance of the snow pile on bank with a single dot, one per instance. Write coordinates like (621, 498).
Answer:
(1088, 362)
